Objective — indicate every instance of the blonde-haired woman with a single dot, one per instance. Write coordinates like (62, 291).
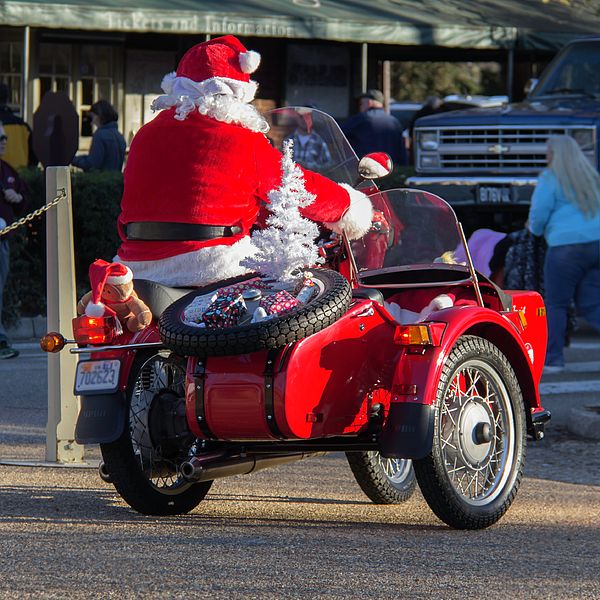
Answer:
(565, 209)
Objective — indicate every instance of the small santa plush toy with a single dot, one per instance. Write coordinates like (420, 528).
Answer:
(198, 174)
(112, 293)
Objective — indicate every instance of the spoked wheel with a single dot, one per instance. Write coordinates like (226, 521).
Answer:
(383, 480)
(473, 472)
(143, 463)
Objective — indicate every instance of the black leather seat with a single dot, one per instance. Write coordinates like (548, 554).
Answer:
(158, 296)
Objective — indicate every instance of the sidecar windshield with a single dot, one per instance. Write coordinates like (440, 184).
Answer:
(414, 240)
(319, 144)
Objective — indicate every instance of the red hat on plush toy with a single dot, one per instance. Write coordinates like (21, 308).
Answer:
(101, 273)
(220, 66)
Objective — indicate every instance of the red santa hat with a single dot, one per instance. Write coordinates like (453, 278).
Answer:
(101, 273)
(220, 66)
(374, 165)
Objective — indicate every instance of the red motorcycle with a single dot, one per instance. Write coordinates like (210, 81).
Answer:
(405, 358)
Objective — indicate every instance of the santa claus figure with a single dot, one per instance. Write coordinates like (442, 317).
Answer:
(198, 174)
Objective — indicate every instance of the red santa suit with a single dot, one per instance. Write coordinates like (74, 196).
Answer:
(197, 175)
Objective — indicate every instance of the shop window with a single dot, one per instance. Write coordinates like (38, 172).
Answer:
(11, 54)
(96, 72)
(54, 69)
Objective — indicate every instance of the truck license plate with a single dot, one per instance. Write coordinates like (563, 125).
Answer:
(494, 195)
(97, 376)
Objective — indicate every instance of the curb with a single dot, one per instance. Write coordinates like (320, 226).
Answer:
(27, 329)
(585, 422)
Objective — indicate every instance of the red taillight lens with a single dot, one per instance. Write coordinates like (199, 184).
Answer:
(94, 330)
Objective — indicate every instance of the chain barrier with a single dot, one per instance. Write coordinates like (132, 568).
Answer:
(62, 193)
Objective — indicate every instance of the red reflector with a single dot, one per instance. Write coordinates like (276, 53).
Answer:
(95, 331)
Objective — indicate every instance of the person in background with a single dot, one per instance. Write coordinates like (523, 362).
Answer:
(565, 209)
(18, 152)
(107, 152)
(310, 149)
(373, 130)
(13, 202)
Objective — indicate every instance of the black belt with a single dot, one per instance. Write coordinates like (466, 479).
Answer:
(154, 231)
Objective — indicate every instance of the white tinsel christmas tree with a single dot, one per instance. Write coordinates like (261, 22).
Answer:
(286, 246)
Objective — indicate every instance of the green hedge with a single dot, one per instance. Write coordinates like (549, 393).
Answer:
(96, 206)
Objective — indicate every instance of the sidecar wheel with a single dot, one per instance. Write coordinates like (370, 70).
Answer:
(474, 470)
(143, 463)
(383, 480)
(330, 302)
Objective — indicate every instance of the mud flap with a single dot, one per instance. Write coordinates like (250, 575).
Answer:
(101, 418)
(408, 431)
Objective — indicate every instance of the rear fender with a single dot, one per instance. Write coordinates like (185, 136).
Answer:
(102, 417)
(408, 432)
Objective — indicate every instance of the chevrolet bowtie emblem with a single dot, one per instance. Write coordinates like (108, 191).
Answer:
(498, 149)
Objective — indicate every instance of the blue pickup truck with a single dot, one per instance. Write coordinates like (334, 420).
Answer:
(485, 162)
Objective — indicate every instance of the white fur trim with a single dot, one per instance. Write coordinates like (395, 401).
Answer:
(94, 310)
(249, 61)
(356, 221)
(221, 98)
(120, 279)
(201, 267)
(371, 169)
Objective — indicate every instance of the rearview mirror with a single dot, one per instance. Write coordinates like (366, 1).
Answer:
(375, 165)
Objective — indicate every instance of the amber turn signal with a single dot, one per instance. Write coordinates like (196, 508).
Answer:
(52, 342)
(410, 335)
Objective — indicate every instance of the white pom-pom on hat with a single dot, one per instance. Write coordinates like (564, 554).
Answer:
(94, 309)
(249, 61)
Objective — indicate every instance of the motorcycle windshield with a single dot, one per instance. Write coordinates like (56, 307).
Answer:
(415, 240)
(319, 144)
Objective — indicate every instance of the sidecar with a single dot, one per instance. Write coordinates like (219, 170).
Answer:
(405, 358)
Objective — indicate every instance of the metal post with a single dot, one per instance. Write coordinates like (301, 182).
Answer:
(364, 68)
(387, 85)
(510, 73)
(25, 82)
(62, 404)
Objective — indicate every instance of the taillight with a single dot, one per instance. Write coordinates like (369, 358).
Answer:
(429, 334)
(96, 331)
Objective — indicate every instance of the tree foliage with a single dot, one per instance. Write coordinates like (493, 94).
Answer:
(411, 80)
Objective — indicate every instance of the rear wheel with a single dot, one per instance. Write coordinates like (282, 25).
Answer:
(383, 480)
(143, 463)
(473, 472)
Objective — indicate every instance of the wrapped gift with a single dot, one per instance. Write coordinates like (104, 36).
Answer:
(256, 283)
(194, 311)
(278, 302)
(225, 311)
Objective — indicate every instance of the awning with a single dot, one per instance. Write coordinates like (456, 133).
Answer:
(452, 23)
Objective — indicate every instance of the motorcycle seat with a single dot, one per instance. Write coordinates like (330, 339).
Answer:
(158, 297)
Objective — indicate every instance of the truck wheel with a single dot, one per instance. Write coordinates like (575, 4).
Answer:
(383, 480)
(143, 463)
(330, 302)
(474, 470)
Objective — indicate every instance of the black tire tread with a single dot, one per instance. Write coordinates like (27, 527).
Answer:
(129, 480)
(374, 482)
(274, 333)
(433, 484)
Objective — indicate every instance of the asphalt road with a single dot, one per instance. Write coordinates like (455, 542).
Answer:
(303, 530)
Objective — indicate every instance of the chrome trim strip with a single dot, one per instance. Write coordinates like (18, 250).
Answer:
(416, 180)
(94, 349)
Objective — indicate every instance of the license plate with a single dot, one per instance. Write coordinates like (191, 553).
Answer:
(97, 376)
(494, 195)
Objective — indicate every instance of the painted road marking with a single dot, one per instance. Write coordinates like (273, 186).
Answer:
(569, 387)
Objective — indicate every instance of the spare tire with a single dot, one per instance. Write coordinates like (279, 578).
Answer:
(327, 306)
